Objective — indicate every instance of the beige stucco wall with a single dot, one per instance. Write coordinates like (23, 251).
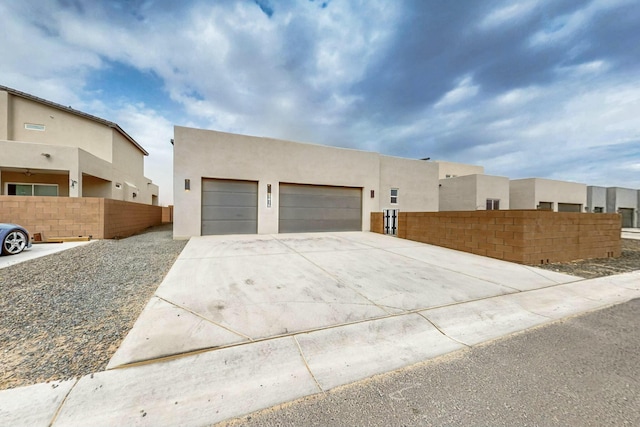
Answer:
(492, 187)
(416, 181)
(457, 169)
(458, 194)
(470, 192)
(202, 154)
(61, 128)
(596, 197)
(528, 193)
(4, 115)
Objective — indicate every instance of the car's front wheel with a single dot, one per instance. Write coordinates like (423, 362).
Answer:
(14, 242)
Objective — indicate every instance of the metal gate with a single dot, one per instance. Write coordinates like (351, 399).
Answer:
(391, 221)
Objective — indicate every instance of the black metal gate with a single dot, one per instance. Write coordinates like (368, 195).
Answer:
(391, 221)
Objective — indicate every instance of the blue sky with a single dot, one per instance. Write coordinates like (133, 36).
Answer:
(533, 88)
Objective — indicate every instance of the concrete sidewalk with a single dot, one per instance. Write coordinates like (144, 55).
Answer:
(631, 233)
(38, 250)
(242, 323)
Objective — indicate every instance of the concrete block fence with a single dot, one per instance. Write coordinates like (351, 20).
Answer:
(78, 216)
(530, 237)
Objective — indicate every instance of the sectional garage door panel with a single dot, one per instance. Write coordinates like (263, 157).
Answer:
(627, 217)
(229, 207)
(569, 207)
(308, 208)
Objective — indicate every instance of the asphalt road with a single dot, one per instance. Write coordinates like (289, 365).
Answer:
(583, 371)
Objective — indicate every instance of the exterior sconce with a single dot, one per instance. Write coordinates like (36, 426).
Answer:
(73, 183)
(135, 195)
(373, 193)
(47, 155)
(187, 185)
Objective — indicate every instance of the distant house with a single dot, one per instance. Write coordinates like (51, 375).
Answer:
(52, 150)
(474, 192)
(624, 201)
(547, 194)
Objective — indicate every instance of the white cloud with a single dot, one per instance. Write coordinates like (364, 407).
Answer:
(508, 14)
(463, 92)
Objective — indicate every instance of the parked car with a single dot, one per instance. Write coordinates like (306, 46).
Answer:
(14, 239)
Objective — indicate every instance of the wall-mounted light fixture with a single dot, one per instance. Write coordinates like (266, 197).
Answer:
(73, 183)
(47, 155)
(268, 195)
(187, 185)
(135, 195)
(373, 193)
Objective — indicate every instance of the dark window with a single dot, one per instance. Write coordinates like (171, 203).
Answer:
(394, 196)
(493, 204)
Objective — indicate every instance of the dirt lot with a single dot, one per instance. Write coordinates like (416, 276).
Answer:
(629, 261)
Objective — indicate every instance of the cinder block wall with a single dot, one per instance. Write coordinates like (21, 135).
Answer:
(167, 214)
(377, 222)
(528, 237)
(78, 216)
(123, 219)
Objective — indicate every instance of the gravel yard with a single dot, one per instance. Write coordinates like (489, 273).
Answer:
(65, 314)
(629, 261)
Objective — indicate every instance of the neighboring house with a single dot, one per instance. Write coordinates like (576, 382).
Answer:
(624, 201)
(52, 150)
(474, 192)
(227, 183)
(548, 194)
(454, 170)
(596, 199)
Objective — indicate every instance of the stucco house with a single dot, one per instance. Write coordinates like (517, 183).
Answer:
(624, 201)
(547, 194)
(52, 150)
(453, 170)
(474, 192)
(228, 184)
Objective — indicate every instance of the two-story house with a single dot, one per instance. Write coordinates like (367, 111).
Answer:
(47, 149)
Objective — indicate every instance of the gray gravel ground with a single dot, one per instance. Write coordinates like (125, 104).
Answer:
(582, 371)
(65, 314)
(590, 268)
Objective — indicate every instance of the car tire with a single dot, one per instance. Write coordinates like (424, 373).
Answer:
(14, 242)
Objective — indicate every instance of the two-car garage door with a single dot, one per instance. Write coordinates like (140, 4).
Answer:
(304, 208)
(231, 207)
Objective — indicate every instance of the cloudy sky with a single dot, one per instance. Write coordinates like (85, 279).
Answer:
(528, 88)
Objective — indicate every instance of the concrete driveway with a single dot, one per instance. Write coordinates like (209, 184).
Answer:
(38, 250)
(242, 323)
(228, 290)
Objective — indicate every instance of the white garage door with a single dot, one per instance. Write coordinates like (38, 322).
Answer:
(229, 207)
(306, 208)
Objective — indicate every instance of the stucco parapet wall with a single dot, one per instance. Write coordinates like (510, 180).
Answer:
(524, 236)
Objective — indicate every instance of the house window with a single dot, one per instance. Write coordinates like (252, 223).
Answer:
(394, 196)
(33, 126)
(450, 176)
(545, 206)
(598, 209)
(15, 189)
(493, 204)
